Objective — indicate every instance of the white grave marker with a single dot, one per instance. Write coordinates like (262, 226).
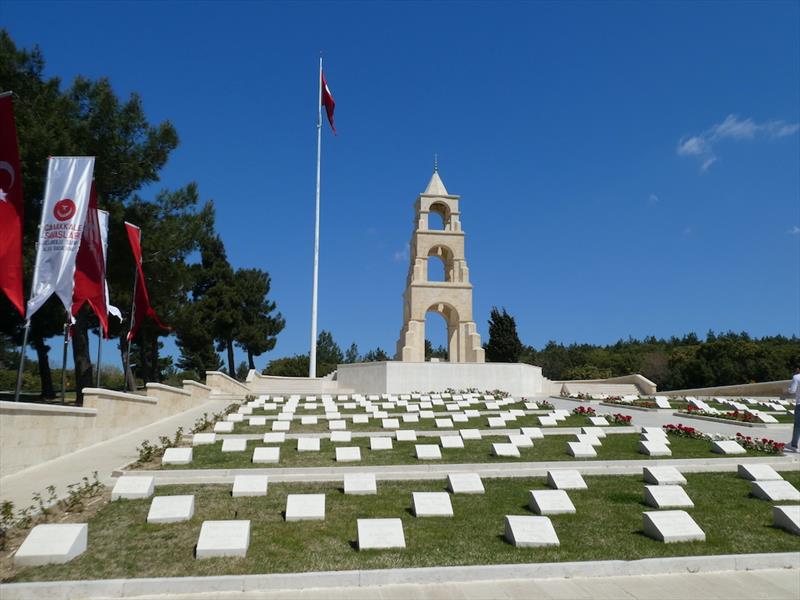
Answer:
(663, 476)
(563, 479)
(249, 485)
(465, 483)
(374, 534)
(52, 544)
(530, 532)
(428, 452)
(132, 487)
(305, 507)
(266, 455)
(671, 526)
(171, 509)
(667, 496)
(223, 538)
(432, 504)
(551, 502)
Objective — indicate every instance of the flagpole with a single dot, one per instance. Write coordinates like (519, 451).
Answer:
(99, 350)
(18, 390)
(64, 362)
(128, 350)
(312, 358)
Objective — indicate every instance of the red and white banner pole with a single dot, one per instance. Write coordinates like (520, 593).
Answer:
(64, 208)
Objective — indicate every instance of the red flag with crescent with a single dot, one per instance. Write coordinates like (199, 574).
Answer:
(141, 302)
(11, 207)
(90, 268)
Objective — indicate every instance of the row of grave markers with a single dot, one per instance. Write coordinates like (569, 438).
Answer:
(61, 543)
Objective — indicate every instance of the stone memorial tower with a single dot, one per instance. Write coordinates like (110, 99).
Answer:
(451, 298)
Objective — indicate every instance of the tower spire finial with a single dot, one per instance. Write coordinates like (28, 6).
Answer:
(435, 163)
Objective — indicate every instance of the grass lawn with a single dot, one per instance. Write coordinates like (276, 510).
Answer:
(552, 447)
(481, 422)
(608, 525)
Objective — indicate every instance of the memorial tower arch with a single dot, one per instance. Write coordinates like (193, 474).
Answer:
(451, 298)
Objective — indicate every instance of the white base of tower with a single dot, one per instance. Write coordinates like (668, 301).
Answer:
(397, 377)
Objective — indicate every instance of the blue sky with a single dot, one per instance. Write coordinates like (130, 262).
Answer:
(625, 168)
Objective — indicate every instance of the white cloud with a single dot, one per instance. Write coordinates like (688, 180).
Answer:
(652, 199)
(794, 230)
(732, 128)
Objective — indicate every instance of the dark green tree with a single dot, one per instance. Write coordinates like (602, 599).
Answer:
(504, 344)
(351, 356)
(328, 351)
(258, 327)
(377, 355)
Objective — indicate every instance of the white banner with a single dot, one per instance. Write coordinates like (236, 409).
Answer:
(66, 201)
(102, 217)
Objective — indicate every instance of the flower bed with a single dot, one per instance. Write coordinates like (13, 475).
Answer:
(586, 411)
(621, 419)
(742, 416)
(745, 441)
(545, 405)
(638, 403)
(760, 444)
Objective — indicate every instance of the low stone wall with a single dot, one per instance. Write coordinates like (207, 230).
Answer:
(221, 383)
(395, 377)
(271, 384)
(644, 386)
(766, 389)
(32, 433)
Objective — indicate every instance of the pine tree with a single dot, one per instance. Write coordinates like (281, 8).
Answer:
(504, 344)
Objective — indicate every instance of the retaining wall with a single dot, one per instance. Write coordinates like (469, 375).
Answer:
(32, 433)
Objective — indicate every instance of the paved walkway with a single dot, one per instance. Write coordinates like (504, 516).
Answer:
(740, 585)
(104, 458)
(487, 469)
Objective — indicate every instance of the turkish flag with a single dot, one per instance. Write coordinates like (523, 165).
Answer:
(141, 303)
(90, 268)
(327, 102)
(11, 207)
